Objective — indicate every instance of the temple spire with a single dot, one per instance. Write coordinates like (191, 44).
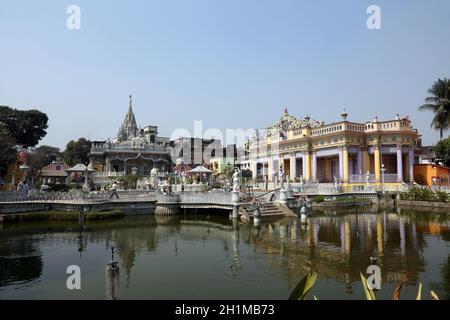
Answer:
(129, 127)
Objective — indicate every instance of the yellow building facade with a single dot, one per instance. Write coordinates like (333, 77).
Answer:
(346, 152)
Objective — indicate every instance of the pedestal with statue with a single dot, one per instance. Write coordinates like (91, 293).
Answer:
(235, 194)
(283, 191)
(290, 194)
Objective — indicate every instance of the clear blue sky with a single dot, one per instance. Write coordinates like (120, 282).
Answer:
(230, 63)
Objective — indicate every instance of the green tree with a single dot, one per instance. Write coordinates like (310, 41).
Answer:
(77, 151)
(41, 157)
(442, 150)
(27, 127)
(228, 171)
(438, 102)
(246, 173)
(8, 154)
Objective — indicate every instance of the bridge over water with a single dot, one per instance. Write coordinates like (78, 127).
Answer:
(13, 202)
(139, 201)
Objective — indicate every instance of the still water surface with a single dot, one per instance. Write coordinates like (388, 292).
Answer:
(209, 257)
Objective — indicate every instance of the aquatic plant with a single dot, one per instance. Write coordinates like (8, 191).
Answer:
(370, 294)
(305, 285)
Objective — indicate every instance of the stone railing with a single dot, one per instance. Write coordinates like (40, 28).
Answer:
(142, 147)
(389, 177)
(109, 174)
(135, 195)
(327, 189)
(95, 196)
(213, 197)
(327, 130)
(50, 196)
(167, 198)
(358, 189)
(195, 187)
(362, 178)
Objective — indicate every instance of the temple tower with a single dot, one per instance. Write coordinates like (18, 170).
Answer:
(129, 128)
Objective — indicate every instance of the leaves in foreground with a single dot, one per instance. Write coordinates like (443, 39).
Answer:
(303, 287)
(399, 287)
(419, 292)
(434, 296)
(370, 294)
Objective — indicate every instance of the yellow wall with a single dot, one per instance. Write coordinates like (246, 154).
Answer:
(18, 176)
(366, 161)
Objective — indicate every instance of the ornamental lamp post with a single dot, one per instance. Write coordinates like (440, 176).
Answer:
(383, 170)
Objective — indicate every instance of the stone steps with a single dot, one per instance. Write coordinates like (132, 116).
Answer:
(270, 209)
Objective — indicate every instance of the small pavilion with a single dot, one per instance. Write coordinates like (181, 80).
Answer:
(202, 171)
(80, 169)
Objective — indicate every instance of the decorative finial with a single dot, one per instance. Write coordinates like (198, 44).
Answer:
(344, 115)
(131, 100)
(285, 110)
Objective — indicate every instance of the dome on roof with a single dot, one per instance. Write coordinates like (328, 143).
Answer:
(288, 121)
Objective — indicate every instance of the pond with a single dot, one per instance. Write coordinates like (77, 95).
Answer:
(210, 257)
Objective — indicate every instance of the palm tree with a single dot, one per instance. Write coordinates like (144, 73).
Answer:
(438, 102)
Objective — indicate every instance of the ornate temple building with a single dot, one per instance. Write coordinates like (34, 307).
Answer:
(346, 152)
(135, 150)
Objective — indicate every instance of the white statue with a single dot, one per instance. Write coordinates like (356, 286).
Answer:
(368, 178)
(237, 178)
(335, 182)
(281, 174)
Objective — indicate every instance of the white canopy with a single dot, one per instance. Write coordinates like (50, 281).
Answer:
(79, 168)
(200, 169)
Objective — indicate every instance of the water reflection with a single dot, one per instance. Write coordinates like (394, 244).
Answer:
(20, 262)
(213, 257)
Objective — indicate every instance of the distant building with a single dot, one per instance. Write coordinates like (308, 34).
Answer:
(344, 151)
(426, 154)
(194, 151)
(225, 158)
(432, 175)
(134, 149)
(54, 172)
(15, 172)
